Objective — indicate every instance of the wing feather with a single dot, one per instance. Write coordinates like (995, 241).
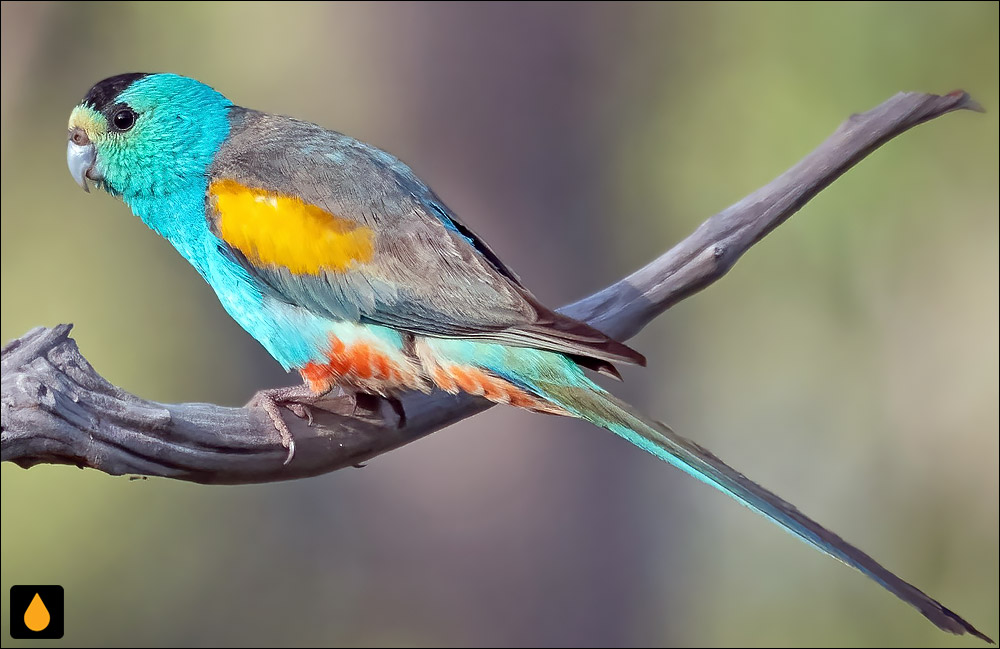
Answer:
(309, 208)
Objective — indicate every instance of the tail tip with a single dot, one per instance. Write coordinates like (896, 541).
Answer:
(956, 624)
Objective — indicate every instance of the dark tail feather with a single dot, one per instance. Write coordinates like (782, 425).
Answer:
(604, 410)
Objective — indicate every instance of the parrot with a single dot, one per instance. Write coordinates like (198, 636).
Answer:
(351, 271)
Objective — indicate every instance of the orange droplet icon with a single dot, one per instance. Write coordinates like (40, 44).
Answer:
(37, 616)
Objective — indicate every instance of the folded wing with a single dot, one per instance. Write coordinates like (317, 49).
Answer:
(346, 230)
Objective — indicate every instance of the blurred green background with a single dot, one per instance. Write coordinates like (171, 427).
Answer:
(849, 362)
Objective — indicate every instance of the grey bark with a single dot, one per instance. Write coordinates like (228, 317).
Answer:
(56, 409)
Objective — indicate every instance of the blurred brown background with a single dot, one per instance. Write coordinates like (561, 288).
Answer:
(849, 362)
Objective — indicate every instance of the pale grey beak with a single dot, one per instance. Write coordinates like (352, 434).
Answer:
(80, 159)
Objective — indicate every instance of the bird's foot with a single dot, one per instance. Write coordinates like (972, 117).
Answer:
(301, 410)
(295, 398)
(301, 400)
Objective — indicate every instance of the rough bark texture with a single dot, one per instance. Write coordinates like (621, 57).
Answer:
(56, 409)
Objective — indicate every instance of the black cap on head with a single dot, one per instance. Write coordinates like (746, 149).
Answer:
(104, 92)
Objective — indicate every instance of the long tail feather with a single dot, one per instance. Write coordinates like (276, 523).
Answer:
(598, 407)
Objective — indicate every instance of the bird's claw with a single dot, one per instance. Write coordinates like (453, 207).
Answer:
(271, 400)
(270, 406)
(301, 410)
(366, 406)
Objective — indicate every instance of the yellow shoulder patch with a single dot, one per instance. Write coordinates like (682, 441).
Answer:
(272, 229)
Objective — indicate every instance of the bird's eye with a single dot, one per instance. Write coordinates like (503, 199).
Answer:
(124, 119)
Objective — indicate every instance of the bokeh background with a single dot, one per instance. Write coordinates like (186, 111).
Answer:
(849, 362)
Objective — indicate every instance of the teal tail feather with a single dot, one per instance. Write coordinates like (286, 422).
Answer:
(602, 409)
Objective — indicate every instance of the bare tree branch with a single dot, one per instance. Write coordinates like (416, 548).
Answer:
(56, 409)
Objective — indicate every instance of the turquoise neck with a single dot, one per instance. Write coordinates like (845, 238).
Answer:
(179, 217)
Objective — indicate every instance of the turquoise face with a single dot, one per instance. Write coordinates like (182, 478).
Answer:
(150, 139)
(154, 137)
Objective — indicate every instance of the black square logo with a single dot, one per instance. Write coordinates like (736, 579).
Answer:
(36, 612)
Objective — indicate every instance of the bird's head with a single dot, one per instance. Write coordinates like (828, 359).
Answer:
(146, 135)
